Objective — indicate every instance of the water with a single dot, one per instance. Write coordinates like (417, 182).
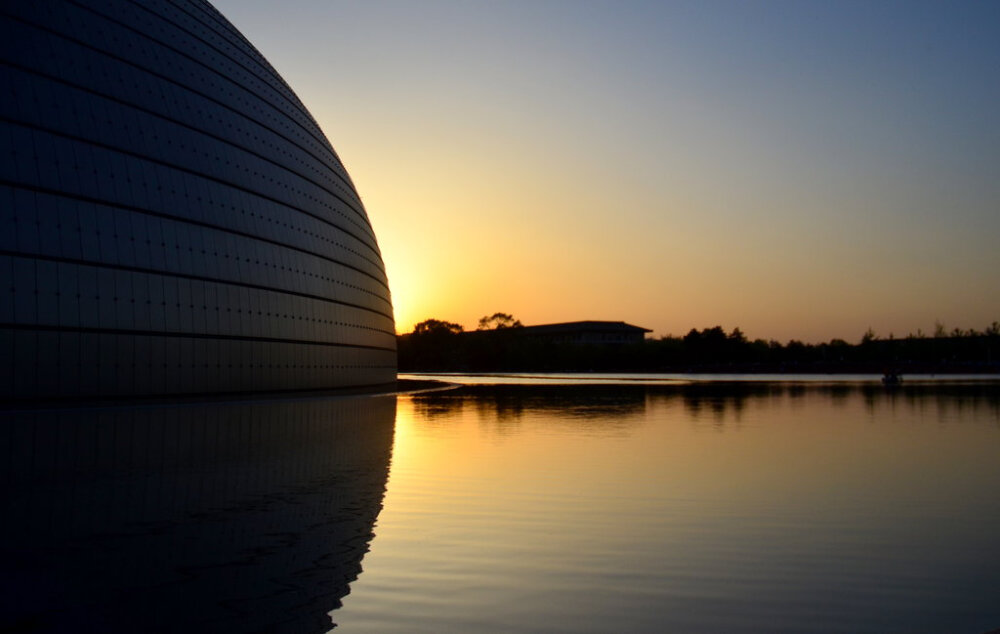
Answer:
(197, 517)
(699, 508)
(680, 507)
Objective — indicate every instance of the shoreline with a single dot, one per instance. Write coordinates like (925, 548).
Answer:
(399, 386)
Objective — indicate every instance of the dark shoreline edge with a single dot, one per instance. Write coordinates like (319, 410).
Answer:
(440, 383)
(704, 378)
(400, 386)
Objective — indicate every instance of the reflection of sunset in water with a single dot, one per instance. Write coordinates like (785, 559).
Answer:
(687, 508)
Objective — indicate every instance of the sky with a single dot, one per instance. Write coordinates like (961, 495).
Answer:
(798, 169)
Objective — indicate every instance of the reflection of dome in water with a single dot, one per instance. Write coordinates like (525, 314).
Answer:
(201, 517)
(173, 219)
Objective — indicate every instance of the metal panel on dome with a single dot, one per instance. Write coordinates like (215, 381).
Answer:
(173, 219)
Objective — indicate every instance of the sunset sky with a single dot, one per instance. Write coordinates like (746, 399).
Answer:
(798, 169)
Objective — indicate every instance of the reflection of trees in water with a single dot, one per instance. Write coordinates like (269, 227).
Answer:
(720, 405)
(840, 395)
(622, 406)
(726, 402)
(502, 411)
(222, 517)
(435, 405)
(950, 402)
(506, 405)
(721, 402)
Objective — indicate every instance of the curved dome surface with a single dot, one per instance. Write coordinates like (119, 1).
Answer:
(172, 219)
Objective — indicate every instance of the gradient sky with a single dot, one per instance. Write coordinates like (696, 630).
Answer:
(799, 169)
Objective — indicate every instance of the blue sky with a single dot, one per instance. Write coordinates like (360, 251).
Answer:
(798, 169)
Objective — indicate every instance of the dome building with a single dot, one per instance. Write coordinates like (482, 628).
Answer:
(172, 219)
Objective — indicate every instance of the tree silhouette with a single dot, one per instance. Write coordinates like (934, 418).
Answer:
(499, 321)
(437, 326)
(438, 345)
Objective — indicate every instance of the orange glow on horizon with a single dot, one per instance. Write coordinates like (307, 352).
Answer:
(657, 165)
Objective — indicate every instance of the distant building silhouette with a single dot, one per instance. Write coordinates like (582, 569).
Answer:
(587, 332)
(172, 219)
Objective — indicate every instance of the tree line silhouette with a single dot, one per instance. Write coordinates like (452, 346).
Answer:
(499, 346)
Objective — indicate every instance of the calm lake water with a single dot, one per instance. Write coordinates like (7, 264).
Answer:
(668, 507)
